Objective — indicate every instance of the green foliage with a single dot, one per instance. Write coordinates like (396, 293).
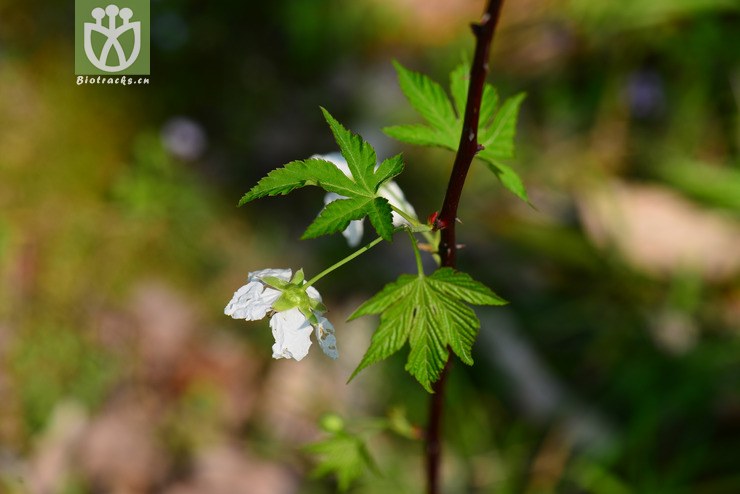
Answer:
(429, 312)
(361, 190)
(496, 126)
(343, 454)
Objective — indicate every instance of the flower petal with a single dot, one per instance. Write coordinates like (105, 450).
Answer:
(325, 337)
(250, 303)
(292, 333)
(331, 197)
(313, 293)
(353, 232)
(394, 194)
(254, 300)
(283, 274)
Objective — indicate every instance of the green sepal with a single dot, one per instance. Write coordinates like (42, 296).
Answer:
(298, 277)
(317, 305)
(275, 282)
(293, 296)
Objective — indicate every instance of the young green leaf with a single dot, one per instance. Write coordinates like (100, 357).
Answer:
(360, 155)
(498, 138)
(379, 212)
(360, 190)
(459, 82)
(428, 98)
(429, 313)
(388, 169)
(337, 214)
(298, 174)
(420, 135)
(509, 179)
(496, 126)
(343, 454)
(488, 106)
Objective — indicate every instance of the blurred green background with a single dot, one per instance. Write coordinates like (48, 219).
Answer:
(615, 369)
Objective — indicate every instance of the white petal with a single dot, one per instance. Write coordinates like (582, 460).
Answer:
(331, 197)
(394, 194)
(249, 302)
(254, 300)
(283, 274)
(269, 296)
(353, 232)
(313, 293)
(292, 333)
(325, 337)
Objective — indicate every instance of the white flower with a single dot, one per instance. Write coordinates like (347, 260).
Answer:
(390, 190)
(252, 301)
(292, 333)
(295, 312)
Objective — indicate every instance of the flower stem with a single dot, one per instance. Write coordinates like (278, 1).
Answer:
(416, 225)
(411, 219)
(344, 261)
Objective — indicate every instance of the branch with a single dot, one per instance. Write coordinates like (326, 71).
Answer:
(447, 217)
(469, 146)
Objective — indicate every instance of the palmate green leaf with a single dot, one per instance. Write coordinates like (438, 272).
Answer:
(498, 138)
(298, 174)
(388, 169)
(459, 82)
(430, 313)
(428, 98)
(496, 127)
(419, 135)
(361, 190)
(461, 285)
(509, 179)
(337, 214)
(488, 106)
(360, 155)
(344, 455)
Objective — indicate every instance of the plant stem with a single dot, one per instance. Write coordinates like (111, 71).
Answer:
(410, 219)
(446, 219)
(344, 261)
